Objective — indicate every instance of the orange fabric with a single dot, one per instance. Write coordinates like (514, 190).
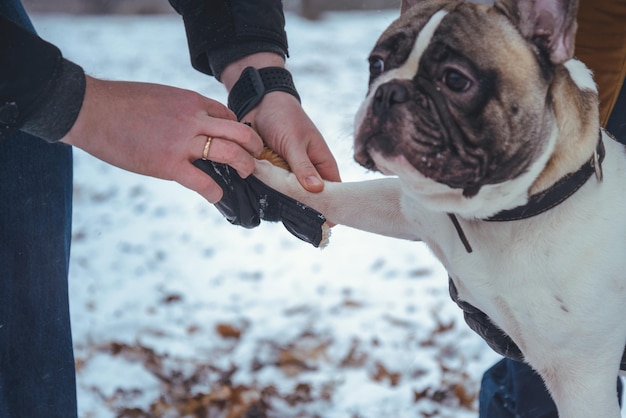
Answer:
(601, 44)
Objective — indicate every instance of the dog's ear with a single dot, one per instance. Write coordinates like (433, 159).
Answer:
(550, 24)
(407, 4)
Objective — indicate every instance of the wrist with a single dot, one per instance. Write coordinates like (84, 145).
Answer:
(252, 86)
(75, 133)
(233, 71)
(54, 113)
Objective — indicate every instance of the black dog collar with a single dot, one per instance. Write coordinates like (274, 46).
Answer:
(253, 84)
(546, 200)
(558, 192)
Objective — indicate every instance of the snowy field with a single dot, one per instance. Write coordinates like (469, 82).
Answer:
(177, 313)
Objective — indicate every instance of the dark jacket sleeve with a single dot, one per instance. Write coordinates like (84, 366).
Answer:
(40, 92)
(222, 31)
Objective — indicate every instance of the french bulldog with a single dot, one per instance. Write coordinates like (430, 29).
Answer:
(487, 130)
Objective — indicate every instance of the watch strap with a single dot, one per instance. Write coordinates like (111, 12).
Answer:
(254, 84)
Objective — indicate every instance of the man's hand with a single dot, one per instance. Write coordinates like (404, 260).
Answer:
(282, 123)
(159, 131)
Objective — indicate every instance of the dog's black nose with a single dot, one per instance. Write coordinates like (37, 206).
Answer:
(388, 95)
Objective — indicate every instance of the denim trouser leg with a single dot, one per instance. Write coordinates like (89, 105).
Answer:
(511, 389)
(37, 374)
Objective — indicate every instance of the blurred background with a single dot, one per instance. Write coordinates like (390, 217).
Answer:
(310, 9)
(176, 313)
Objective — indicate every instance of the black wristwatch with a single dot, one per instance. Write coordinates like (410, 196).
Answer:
(253, 84)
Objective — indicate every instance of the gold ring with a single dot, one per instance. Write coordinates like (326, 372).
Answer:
(205, 153)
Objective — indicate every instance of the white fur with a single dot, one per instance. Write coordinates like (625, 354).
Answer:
(490, 199)
(581, 74)
(409, 69)
(556, 283)
(439, 197)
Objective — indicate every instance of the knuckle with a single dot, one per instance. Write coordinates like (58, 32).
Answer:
(250, 135)
(303, 166)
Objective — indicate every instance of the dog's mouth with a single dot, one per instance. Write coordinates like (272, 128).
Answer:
(387, 126)
(362, 152)
(461, 143)
(422, 130)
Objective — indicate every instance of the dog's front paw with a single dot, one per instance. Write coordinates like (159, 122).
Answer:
(281, 202)
(281, 180)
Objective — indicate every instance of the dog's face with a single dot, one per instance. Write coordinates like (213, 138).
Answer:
(459, 93)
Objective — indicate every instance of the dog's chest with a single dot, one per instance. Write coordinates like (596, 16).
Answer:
(561, 265)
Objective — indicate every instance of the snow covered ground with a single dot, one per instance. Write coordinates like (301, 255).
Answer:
(177, 313)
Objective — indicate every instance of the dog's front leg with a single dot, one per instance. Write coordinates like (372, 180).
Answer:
(372, 205)
(584, 392)
(581, 376)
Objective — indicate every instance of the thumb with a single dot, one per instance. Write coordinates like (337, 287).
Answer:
(307, 175)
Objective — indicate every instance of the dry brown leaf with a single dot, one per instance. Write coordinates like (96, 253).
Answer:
(228, 331)
(355, 357)
(381, 374)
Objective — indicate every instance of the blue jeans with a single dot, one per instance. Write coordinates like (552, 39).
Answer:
(37, 373)
(511, 389)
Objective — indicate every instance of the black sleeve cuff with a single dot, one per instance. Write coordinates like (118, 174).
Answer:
(59, 107)
(219, 59)
(220, 32)
(40, 92)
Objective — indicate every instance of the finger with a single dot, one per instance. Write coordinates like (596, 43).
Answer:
(312, 166)
(305, 172)
(195, 179)
(218, 110)
(325, 164)
(235, 132)
(328, 169)
(223, 151)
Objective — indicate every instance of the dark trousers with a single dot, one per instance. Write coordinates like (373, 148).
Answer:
(511, 389)
(617, 120)
(37, 373)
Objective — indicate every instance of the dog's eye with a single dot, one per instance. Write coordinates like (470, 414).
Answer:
(377, 66)
(456, 81)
